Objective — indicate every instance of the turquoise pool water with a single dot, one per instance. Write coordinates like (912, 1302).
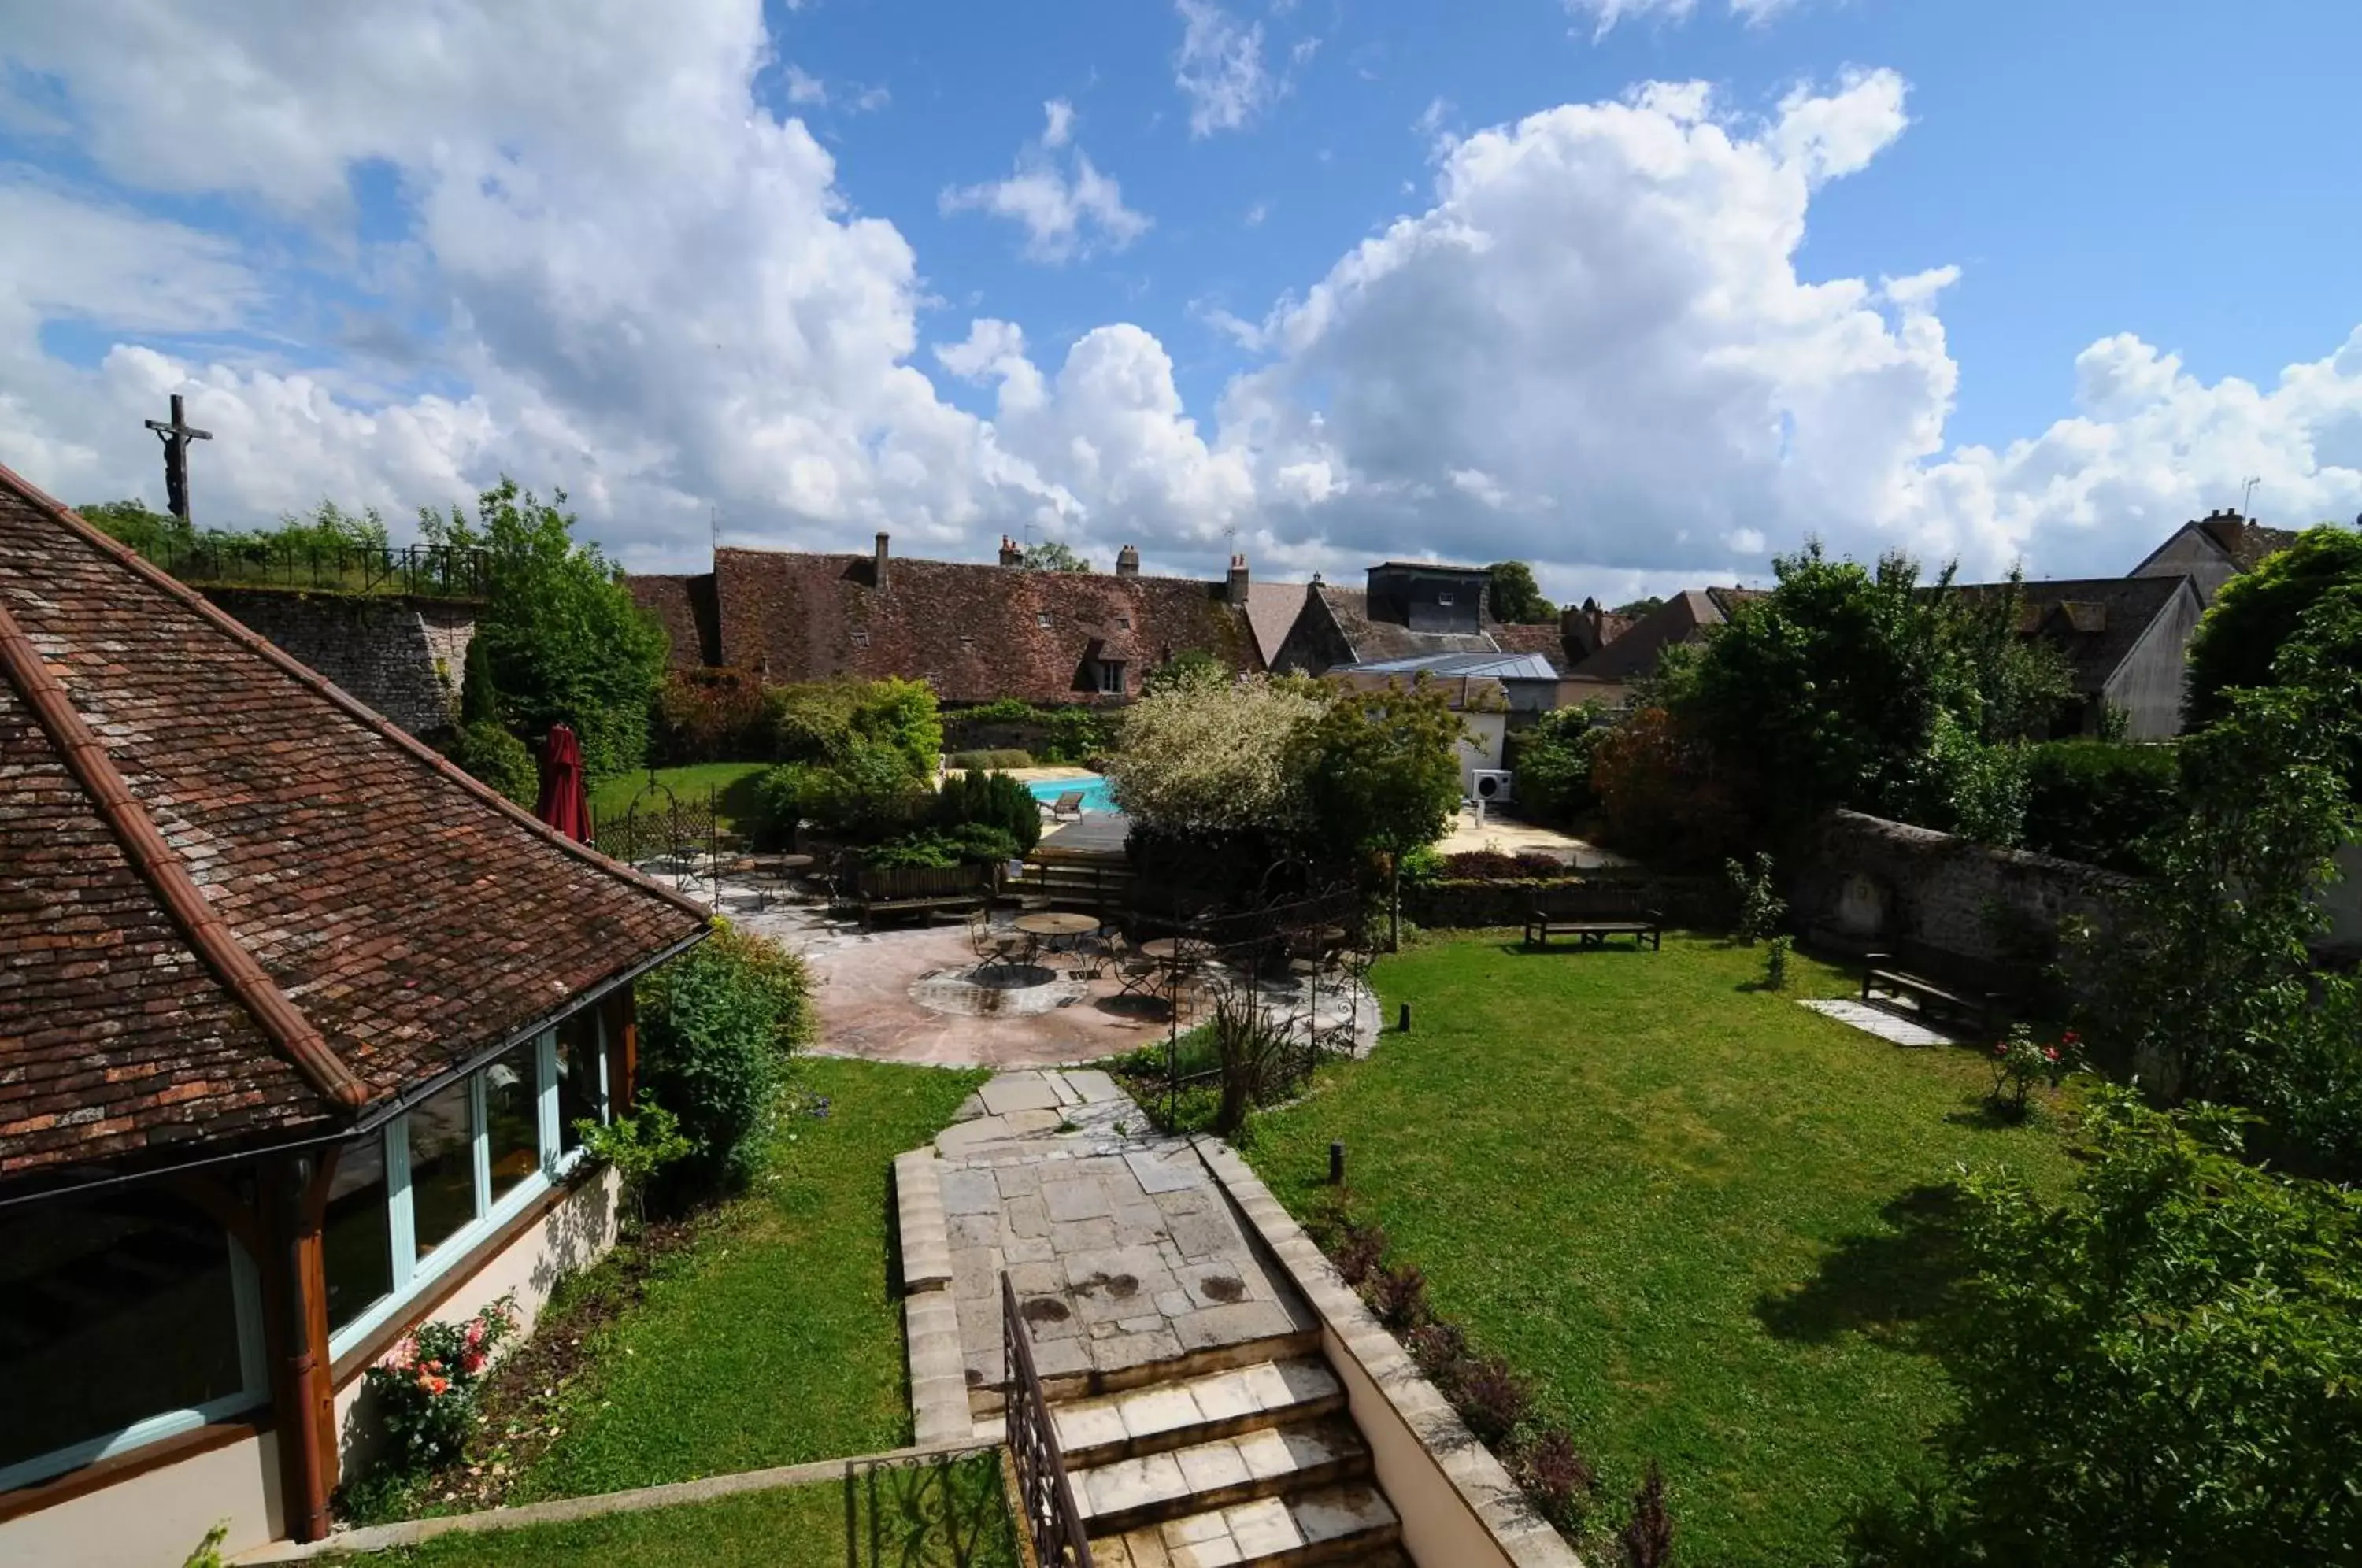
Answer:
(1097, 796)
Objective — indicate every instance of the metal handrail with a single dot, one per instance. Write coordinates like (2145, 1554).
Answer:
(1052, 1523)
(427, 571)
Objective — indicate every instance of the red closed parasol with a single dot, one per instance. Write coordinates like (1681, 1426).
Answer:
(565, 803)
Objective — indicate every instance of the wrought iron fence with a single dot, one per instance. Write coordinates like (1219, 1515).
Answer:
(665, 833)
(1053, 1524)
(426, 572)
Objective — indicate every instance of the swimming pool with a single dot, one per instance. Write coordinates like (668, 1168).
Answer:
(1098, 795)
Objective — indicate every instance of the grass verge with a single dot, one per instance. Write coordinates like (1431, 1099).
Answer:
(1711, 1226)
(940, 1516)
(774, 1339)
(734, 782)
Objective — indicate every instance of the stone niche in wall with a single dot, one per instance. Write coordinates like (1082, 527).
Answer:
(401, 655)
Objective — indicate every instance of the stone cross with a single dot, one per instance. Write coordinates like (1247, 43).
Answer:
(176, 437)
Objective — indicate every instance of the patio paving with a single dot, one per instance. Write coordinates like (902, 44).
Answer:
(1118, 1242)
(1511, 836)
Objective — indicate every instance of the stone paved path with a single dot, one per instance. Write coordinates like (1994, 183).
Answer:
(1116, 1241)
(1878, 1021)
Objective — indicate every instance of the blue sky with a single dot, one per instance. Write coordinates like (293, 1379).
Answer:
(387, 263)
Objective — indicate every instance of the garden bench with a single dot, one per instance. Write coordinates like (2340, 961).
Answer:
(913, 890)
(1592, 915)
(1974, 993)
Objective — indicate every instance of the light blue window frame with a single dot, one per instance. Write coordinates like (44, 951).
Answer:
(246, 1292)
(412, 1273)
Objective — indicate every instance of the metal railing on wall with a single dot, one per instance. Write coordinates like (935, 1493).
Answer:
(425, 571)
(1053, 1524)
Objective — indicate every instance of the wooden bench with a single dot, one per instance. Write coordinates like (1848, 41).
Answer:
(916, 889)
(1974, 993)
(1591, 916)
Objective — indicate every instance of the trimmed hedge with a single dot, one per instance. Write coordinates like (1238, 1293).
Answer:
(2096, 801)
(988, 760)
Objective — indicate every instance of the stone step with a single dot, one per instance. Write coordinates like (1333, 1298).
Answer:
(1126, 1493)
(1192, 1411)
(1348, 1523)
(1061, 1389)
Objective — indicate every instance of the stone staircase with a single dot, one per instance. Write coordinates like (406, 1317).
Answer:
(1253, 1461)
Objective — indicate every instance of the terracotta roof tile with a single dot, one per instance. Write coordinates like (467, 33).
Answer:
(974, 631)
(409, 918)
(1377, 641)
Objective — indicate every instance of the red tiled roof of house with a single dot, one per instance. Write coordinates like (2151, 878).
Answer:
(236, 904)
(1678, 619)
(685, 605)
(1272, 610)
(974, 631)
(1375, 641)
(1536, 639)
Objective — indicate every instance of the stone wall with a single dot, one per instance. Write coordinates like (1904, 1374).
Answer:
(401, 657)
(1471, 904)
(1868, 880)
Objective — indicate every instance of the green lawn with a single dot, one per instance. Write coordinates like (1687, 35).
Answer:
(937, 1517)
(734, 780)
(775, 1341)
(1710, 1224)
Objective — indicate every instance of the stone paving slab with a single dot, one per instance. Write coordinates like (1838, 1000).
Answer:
(1888, 1026)
(1118, 1245)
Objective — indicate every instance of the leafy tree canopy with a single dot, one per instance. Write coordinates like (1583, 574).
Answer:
(1381, 771)
(1211, 756)
(2257, 612)
(2156, 1369)
(1517, 597)
(1636, 608)
(1049, 555)
(566, 644)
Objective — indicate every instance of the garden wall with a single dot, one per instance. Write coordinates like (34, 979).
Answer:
(1869, 880)
(401, 657)
(1468, 905)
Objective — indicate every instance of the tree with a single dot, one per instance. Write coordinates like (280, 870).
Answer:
(1049, 555)
(1554, 761)
(1190, 666)
(563, 636)
(1382, 775)
(2208, 986)
(2255, 613)
(2156, 1369)
(1517, 597)
(153, 534)
(1215, 756)
(1646, 604)
(479, 696)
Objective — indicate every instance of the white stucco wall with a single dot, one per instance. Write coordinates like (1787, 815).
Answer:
(570, 1237)
(1481, 747)
(153, 1520)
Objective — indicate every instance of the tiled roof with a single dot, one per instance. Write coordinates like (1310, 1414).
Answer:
(685, 605)
(235, 903)
(2095, 622)
(1678, 619)
(1546, 640)
(1374, 640)
(1272, 610)
(975, 632)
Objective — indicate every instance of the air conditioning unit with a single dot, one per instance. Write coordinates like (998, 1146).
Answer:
(1491, 785)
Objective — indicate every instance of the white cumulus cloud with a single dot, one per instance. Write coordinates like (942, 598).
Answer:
(1068, 207)
(1220, 68)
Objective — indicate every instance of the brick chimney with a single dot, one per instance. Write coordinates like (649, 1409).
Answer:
(1238, 587)
(2224, 527)
(1010, 553)
(881, 560)
(1127, 561)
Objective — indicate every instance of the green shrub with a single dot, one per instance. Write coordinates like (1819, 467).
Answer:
(480, 699)
(993, 800)
(718, 1025)
(999, 710)
(2155, 1369)
(712, 715)
(809, 724)
(1552, 761)
(970, 843)
(987, 760)
(2094, 801)
(489, 754)
(870, 794)
(790, 793)
(1077, 736)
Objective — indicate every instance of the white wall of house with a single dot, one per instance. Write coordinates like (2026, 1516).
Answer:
(1480, 746)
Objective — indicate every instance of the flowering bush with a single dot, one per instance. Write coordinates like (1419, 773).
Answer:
(2018, 1060)
(425, 1386)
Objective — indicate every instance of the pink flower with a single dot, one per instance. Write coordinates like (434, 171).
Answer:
(2001, 1048)
(404, 1355)
(471, 1363)
(2050, 1053)
(475, 1335)
(2070, 1038)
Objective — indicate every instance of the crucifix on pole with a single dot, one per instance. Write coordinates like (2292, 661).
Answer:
(176, 437)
